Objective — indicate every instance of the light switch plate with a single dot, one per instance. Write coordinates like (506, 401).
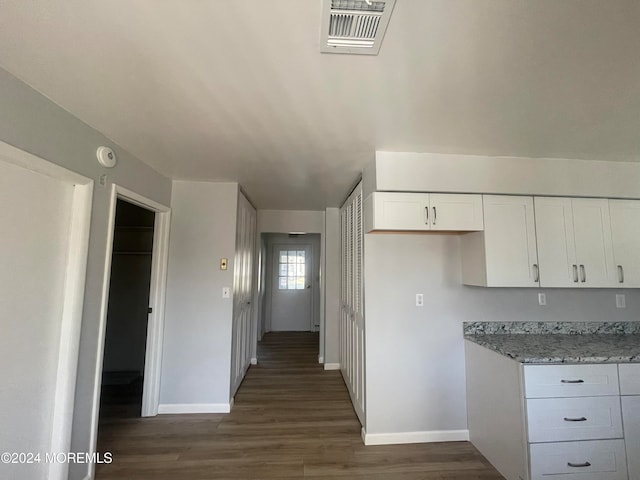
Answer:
(226, 292)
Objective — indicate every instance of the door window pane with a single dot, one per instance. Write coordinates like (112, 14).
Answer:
(292, 270)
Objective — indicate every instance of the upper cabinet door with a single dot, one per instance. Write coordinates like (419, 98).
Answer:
(455, 212)
(398, 211)
(594, 250)
(510, 241)
(625, 233)
(555, 239)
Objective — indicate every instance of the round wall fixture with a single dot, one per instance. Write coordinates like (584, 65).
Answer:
(106, 157)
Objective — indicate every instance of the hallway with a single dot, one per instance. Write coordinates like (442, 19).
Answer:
(291, 420)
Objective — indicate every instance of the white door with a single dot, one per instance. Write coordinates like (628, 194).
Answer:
(401, 211)
(555, 239)
(291, 293)
(594, 251)
(34, 249)
(510, 241)
(625, 233)
(459, 212)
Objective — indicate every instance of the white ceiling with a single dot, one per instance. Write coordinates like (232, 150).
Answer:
(237, 89)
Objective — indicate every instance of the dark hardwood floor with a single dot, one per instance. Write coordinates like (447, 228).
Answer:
(291, 420)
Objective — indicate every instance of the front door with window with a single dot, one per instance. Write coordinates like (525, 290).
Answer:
(291, 292)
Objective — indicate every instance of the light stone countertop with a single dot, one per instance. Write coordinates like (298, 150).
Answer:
(559, 342)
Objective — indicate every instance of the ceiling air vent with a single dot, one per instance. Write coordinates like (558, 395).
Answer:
(354, 26)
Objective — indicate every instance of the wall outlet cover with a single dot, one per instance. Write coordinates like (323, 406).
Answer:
(419, 300)
(226, 292)
(621, 301)
(542, 298)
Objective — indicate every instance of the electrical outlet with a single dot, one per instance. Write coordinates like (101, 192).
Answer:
(620, 301)
(542, 298)
(226, 292)
(103, 180)
(419, 300)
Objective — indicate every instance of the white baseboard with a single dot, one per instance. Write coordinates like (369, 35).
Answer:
(320, 359)
(332, 366)
(254, 361)
(171, 408)
(415, 437)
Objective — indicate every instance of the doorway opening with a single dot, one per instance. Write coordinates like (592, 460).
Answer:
(290, 272)
(123, 364)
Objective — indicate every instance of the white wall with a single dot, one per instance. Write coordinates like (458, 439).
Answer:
(415, 356)
(430, 172)
(33, 260)
(196, 364)
(332, 286)
(34, 124)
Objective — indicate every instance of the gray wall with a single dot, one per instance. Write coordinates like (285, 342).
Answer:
(33, 123)
(196, 361)
(415, 356)
(332, 286)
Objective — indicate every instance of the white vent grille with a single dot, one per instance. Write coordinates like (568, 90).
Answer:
(354, 26)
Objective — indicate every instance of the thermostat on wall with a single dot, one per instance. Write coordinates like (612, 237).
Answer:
(106, 157)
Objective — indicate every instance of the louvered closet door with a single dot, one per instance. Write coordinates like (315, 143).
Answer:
(352, 315)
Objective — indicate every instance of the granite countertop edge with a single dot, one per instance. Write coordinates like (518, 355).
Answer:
(559, 342)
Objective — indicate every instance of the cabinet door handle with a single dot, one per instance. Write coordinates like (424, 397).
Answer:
(620, 274)
(578, 465)
(426, 211)
(572, 381)
(581, 419)
(536, 273)
(435, 215)
(583, 273)
(575, 273)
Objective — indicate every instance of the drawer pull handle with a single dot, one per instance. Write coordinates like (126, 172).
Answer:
(581, 419)
(572, 381)
(578, 465)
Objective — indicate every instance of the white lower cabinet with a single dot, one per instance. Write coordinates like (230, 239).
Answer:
(596, 460)
(560, 422)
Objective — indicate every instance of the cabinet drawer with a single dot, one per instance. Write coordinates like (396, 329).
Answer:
(547, 381)
(595, 460)
(629, 378)
(579, 418)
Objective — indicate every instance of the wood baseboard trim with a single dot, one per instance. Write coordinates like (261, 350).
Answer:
(178, 408)
(414, 437)
(332, 366)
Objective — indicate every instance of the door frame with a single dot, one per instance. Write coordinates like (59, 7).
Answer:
(273, 287)
(157, 296)
(74, 289)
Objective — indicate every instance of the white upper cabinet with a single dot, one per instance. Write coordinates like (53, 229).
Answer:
(625, 233)
(423, 212)
(505, 254)
(574, 242)
(455, 212)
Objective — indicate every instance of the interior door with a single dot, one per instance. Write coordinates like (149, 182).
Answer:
(291, 292)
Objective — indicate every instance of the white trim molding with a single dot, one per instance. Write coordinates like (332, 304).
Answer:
(180, 408)
(320, 359)
(430, 436)
(254, 361)
(332, 366)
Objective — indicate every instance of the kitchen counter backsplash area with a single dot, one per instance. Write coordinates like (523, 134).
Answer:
(546, 328)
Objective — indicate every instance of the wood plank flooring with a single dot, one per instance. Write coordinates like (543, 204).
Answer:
(291, 420)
